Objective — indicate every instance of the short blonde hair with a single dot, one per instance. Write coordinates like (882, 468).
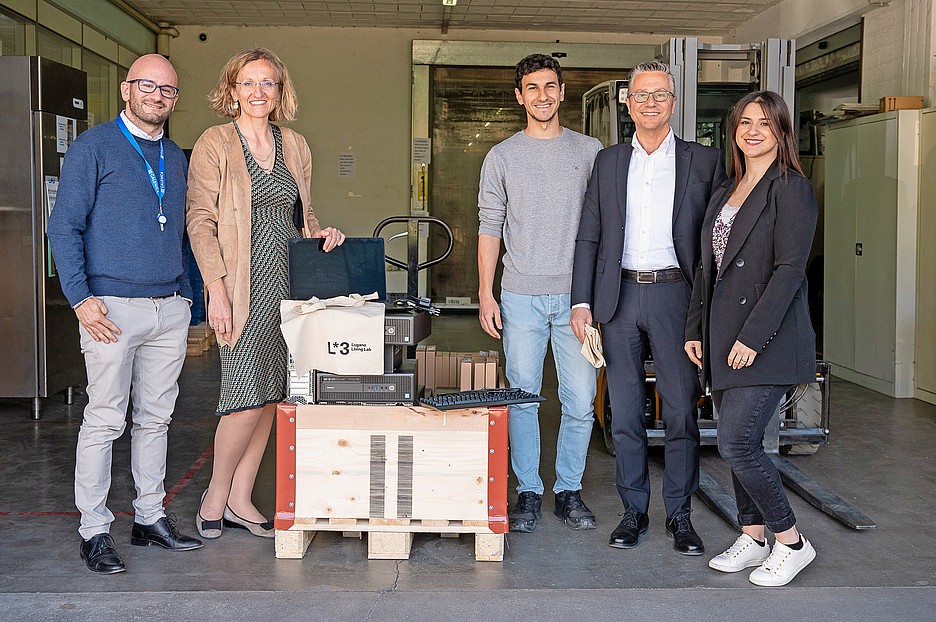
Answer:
(222, 102)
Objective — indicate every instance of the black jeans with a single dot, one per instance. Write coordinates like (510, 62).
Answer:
(743, 415)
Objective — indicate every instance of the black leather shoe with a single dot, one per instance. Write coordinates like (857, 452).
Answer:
(685, 538)
(163, 533)
(100, 555)
(524, 515)
(627, 534)
(573, 511)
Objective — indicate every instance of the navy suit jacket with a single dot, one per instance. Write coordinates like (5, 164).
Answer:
(759, 296)
(599, 246)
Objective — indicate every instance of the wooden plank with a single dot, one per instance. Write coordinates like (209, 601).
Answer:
(389, 418)
(489, 547)
(292, 544)
(334, 478)
(389, 545)
(387, 524)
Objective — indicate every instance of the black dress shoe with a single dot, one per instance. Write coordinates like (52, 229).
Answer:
(573, 511)
(627, 534)
(163, 533)
(685, 538)
(100, 555)
(524, 515)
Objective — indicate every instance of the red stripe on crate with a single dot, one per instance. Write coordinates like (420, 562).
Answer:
(285, 466)
(497, 469)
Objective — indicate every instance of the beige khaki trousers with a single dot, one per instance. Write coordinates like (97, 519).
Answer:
(144, 364)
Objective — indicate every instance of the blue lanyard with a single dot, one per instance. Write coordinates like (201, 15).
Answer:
(159, 187)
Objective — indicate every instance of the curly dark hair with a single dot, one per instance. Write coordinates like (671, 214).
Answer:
(535, 62)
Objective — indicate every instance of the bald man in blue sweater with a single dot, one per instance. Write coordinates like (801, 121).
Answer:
(116, 234)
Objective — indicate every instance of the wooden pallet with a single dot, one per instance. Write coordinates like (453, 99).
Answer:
(391, 471)
(200, 339)
(389, 538)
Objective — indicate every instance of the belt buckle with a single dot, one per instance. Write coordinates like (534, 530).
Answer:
(640, 277)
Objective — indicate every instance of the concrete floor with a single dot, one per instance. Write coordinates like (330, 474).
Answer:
(881, 459)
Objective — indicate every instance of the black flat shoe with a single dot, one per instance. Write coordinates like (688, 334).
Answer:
(100, 556)
(627, 534)
(163, 533)
(685, 538)
(261, 530)
(208, 529)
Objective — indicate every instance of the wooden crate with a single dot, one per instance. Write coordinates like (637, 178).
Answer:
(391, 472)
(200, 339)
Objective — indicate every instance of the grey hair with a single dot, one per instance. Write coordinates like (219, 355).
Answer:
(653, 65)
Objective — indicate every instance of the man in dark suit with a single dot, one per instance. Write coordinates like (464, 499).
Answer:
(635, 253)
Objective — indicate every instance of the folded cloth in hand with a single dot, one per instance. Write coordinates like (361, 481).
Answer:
(591, 348)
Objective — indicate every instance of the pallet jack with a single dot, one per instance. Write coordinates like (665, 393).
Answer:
(800, 425)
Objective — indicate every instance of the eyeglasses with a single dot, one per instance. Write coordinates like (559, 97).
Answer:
(266, 85)
(148, 86)
(658, 96)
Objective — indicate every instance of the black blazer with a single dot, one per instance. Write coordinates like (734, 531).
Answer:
(599, 246)
(759, 295)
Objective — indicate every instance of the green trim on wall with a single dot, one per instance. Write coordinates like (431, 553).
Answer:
(66, 17)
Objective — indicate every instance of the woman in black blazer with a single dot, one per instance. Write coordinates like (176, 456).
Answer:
(748, 327)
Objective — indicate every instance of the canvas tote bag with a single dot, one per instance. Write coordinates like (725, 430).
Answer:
(340, 335)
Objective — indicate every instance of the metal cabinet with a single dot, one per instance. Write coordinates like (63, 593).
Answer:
(925, 372)
(45, 108)
(871, 210)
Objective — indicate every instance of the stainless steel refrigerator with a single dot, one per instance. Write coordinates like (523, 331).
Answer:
(45, 106)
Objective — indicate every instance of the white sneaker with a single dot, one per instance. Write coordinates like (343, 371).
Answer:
(744, 553)
(783, 564)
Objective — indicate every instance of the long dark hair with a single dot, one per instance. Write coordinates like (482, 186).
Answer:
(778, 118)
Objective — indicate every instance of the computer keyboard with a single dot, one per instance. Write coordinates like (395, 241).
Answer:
(481, 397)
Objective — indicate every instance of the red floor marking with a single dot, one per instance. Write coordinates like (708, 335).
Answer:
(189, 475)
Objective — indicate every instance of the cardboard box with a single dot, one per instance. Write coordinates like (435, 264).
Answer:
(421, 366)
(900, 102)
(490, 373)
(464, 375)
(430, 369)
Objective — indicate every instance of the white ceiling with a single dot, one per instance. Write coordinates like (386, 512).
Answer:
(696, 17)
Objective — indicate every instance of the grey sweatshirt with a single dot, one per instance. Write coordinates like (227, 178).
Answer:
(531, 196)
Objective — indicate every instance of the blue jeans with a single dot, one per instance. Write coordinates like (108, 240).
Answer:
(743, 415)
(530, 323)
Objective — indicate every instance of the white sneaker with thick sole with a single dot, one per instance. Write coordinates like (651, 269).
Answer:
(744, 553)
(783, 564)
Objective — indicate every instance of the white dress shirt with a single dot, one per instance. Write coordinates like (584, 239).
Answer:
(136, 131)
(651, 188)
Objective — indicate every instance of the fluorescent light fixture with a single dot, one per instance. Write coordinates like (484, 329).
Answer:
(449, 2)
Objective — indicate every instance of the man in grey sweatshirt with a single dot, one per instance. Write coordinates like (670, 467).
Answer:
(532, 188)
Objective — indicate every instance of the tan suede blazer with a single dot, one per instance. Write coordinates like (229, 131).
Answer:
(218, 210)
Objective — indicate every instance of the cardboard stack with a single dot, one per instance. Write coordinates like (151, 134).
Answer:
(461, 371)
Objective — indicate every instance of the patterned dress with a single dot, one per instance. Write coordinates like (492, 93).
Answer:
(253, 372)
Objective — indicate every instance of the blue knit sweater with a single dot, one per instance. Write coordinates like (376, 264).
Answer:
(103, 229)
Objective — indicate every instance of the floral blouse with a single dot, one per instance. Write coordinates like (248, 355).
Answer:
(721, 231)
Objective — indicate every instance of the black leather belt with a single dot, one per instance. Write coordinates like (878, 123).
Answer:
(172, 295)
(666, 275)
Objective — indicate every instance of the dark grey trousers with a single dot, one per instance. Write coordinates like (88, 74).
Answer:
(656, 313)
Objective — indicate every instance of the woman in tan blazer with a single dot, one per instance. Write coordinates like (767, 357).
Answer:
(248, 187)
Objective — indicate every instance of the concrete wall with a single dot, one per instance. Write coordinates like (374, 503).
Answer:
(897, 54)
(354, 88)
(899, 39)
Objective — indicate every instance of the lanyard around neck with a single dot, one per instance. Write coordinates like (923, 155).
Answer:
(159, 184)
